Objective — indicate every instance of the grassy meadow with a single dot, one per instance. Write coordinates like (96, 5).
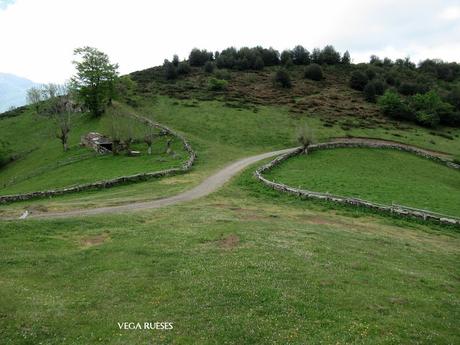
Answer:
(242, 266)
(380, 175)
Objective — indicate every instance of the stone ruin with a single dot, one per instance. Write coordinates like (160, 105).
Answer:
(98, 142)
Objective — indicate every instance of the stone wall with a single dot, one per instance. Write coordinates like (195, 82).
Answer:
(119, 180)
(393, 209)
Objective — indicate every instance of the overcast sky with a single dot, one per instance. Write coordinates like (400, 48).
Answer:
(38, 36)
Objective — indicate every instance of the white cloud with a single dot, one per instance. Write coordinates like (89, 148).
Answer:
(450, 13)
(38, 37)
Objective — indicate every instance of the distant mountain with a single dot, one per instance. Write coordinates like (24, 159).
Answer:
(13, 91)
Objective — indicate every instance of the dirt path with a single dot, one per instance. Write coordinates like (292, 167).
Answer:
(209, 185)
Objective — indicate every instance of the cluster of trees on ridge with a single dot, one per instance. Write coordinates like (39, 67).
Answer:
(427, 94)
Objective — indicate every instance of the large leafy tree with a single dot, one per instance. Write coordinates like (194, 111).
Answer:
(95, 79)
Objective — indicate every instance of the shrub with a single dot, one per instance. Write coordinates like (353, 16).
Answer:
(305, 136)
(313, 72)
(453, 97)
(222, 74)
(358, 80)
(370, 73)
(427, 119)
(407, 88)
(430, 109)
(183, 68)
(282, 78)
(169, 70)
(379, 87)
(215, 84)
(209, 67)
(369, 92)
(392, 105)
(259, 63)
(4, 154)
(199, 57)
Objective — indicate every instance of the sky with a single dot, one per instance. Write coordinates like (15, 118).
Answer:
(37, 37)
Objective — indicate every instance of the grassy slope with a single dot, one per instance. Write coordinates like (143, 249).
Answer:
(383, 176)
(239, 267)
(44, 165)
(222, 134)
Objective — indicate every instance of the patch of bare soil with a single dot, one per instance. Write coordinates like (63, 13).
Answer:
(94, 240)
(229, 242)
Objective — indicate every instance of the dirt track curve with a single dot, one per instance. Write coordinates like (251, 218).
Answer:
(209, 185)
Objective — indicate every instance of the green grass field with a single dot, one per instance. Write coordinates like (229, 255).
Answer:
(238, 267)
(245, 265)
(42, 164)
(379, 175)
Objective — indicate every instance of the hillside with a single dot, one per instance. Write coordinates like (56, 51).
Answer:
(244, 264)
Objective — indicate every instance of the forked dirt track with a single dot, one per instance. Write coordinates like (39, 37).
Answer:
(209, 185)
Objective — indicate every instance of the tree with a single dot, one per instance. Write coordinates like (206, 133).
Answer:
(305, 137)
(313, 72)
(169, 70)
(34, 97)
(286, 57)
(282, 78)
(330, 56)
(209, 67)
(346, 58)
(300, 56)
(392, 105)
(199, 57)
(175, 60)
(95, 79)
(183, 68)
(61, 109)
(358, 80)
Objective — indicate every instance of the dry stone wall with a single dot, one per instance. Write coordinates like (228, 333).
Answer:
(393, 209)
(119, 180)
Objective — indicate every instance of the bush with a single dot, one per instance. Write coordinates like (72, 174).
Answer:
(183, 68)
(371, 73)
(369, 92)
(313, 72)
(430, 109)
(282, 78)
(453, 97)
(392, 105)
(427, 119)
(209, 67)
(358, 80)
(222, 74)
(215, 84)
(199, 57)
(407, 88)
(169, 70)
(4, 155)
(379, 87)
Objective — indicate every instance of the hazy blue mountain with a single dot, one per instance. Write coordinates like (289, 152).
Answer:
(13, 91)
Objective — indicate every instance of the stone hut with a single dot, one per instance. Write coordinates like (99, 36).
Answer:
(97, 142)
